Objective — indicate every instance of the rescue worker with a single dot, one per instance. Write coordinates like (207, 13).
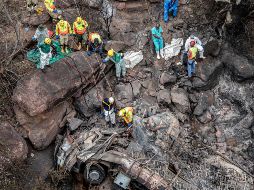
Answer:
(198, 44)
(45, 51)
(31, 5)
(79, 29)
(94, 44)
(117, 58)
(40, 34)
(127, 115)
(63, 30)
(51, 8)
(158, 40)
(192, 53)
(170, 6)
(109, 110)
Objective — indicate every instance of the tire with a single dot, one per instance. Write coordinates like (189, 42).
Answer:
(95, 176)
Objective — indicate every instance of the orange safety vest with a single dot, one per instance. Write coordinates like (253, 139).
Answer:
(192, 53)
(63, 30)
(94, 35)
(80, 28)
(128, 116)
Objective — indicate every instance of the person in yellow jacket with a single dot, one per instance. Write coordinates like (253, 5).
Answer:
(51, 8)
(127, 115)
(80, 30)
(95, 44)
(192, 53)
(63, 30)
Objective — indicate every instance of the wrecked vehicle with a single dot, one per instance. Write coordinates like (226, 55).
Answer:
(96, 154)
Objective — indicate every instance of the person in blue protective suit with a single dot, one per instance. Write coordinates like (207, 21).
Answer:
(170, 6)
(158, 40)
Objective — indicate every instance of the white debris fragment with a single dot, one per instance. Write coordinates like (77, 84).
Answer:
(132, 59)
(173, 49)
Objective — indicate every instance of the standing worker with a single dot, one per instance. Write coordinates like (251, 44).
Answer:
(40, 34)
(198, 44)
(51, 8)
(192, 53)
(158, 40)
(117, 58)
(45, 51)
(170, 6)
(79, 29)
(94, 44)
(109, 110)
(127, 115)
(63, 30)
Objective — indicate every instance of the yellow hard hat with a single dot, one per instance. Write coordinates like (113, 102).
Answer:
(79, 19)
(61, 22)
(121, 113)
(110, 52)
(47, 41)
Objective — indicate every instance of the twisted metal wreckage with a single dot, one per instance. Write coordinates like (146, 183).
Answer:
(91, 153)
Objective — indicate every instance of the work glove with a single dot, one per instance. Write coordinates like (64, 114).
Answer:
(57, 37)
(55, 11)
(33, 38)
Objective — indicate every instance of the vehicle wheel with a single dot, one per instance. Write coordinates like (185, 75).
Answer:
(95, 176)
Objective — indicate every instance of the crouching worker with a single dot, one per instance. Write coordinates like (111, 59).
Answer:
(117, 58)
(45, 51)
(158, 40)
(197, 43)
(127, 115)
(109, 111)
(192, 53)
(170, 6)
(94, 44)
(80, 30)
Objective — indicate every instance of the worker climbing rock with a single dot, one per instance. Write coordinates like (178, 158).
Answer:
(192, 53)
(198, 44)
(80, 30)
(170, 6)
(117, 58)
(109, 110)
(31, 5)
(127, 115)
(45, 51)
(40, 34)
(95, 44)
(63, 30)
(158, 40)
(51, 8)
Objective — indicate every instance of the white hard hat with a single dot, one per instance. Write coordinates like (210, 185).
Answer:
(111, 100)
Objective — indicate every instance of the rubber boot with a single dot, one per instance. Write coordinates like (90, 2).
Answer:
(158, 55)
(162, 53)
(79, 46)
(202, 55)
(63, 49)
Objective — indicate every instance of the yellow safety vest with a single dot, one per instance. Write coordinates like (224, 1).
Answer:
(94, 35)
(192, 53)
(63, 30)
(50, 5)
(80, 28)
(127, 114)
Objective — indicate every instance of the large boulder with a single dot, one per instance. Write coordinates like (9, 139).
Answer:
(124, 93)
(39, 91)
(180, 99)
(43, 128)
(241, 67)
(35, 19)
(163, 97)
(13, 146)
(167, 78)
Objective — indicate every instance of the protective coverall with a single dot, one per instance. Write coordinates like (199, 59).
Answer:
(40, 35)
(127, 115)
(45, 50)
(192, 53)
(157, 40)
(92, 46)
(198, 44)
(80, 30)
(119, 63)
(109, 111)
(169, 6)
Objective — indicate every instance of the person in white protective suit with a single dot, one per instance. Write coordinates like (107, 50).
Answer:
(40, 34)
(198, 44)
(45, 50)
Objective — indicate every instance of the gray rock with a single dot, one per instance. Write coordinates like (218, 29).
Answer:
(74, 123)
(164, 97)
(124, 93)
(167, 78)
(136, 86)
(116, 45)
(180, 100)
